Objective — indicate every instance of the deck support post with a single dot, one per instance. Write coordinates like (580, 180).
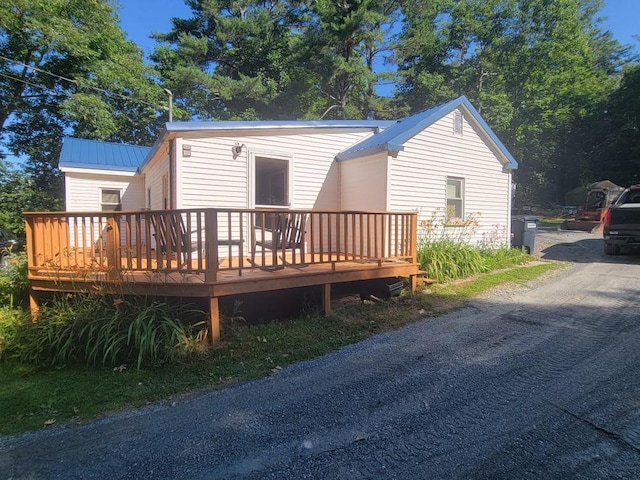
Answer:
(326, 299)
(214, 320)
(413, 283)
(34, 305)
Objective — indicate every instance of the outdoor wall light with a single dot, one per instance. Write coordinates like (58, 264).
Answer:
(236, 150)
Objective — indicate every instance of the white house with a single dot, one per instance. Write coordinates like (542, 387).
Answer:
(444, 162)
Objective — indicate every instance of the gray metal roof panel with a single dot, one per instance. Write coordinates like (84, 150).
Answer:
(273, 124)
(81, 153)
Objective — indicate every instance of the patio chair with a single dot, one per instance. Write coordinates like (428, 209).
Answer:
(172, 236)
(277, 232)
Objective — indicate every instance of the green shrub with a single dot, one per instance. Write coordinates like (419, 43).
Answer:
(102, 330)
(504, 257)
(447, 259)
(14, 285)
(450, 251)
(11, 322)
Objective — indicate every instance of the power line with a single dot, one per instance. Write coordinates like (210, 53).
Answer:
(16, 79)
(75, 82)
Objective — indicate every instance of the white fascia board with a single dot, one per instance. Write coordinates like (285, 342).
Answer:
(95, 171)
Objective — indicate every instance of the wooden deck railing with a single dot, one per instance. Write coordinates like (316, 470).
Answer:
(211, 241)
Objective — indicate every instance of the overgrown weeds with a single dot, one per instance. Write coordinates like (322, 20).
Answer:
(14, 284)
(101, 330)
(448, 252)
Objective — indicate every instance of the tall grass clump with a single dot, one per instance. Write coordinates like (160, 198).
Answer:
(449, 250)
(102, 330)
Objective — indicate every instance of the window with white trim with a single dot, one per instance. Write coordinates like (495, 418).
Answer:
(110, 200)
(271, 181)
(455, 200)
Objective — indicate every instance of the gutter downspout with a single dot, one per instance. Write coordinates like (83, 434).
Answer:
(510, 193)
(339, 184)
(172, 174)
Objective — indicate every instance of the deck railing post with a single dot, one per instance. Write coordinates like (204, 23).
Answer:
(112, 247)
(413, 238)
(28, 228)
(211, 245)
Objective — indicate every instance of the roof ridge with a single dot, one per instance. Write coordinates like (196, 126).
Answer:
(130, 145)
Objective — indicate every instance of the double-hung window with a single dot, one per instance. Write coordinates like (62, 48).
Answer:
(455, 200)
(110, 200)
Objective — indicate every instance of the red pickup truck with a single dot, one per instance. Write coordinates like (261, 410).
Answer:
(622, 222)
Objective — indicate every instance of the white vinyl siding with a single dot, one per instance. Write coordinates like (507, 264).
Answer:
(364, 183)
(211, 177)
(153, 174)
(418, 177)
(83, 191)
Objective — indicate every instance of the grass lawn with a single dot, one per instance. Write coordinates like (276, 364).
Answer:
(32, 398)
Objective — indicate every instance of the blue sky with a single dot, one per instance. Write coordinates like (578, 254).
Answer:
(139, 18)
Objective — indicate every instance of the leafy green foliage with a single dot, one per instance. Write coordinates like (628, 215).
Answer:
(449, 252)
(19, 193)
(14, 284)
(534, 69)
(10, 323)
(232, 61)
(66, 67)
(447, 259)
(107, 331)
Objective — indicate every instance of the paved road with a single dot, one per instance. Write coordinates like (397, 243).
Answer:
(529, 383)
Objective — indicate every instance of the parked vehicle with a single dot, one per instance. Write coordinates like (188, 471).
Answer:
(8, 243)
(599, 199)
(622, 222)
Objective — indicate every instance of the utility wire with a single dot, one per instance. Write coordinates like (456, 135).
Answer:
(75, 82)
(16, 79)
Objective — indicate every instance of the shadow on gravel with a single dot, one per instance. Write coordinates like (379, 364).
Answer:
(587, 251)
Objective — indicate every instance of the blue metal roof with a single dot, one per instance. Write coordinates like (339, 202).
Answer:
(80, 153)
(392, 138)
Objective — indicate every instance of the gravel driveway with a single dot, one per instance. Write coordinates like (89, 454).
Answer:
(532, 382)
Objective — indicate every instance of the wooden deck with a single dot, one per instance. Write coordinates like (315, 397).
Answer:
(214, 253)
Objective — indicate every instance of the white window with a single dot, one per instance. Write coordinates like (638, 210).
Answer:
(458, 123)
(110, 200)
(455, 199)
(271, 181)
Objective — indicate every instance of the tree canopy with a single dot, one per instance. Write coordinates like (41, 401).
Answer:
(67, 68)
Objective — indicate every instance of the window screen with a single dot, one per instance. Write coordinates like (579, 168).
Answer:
(455, 199)
(110, 201)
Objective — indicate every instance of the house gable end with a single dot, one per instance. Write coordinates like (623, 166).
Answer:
(393, 138)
